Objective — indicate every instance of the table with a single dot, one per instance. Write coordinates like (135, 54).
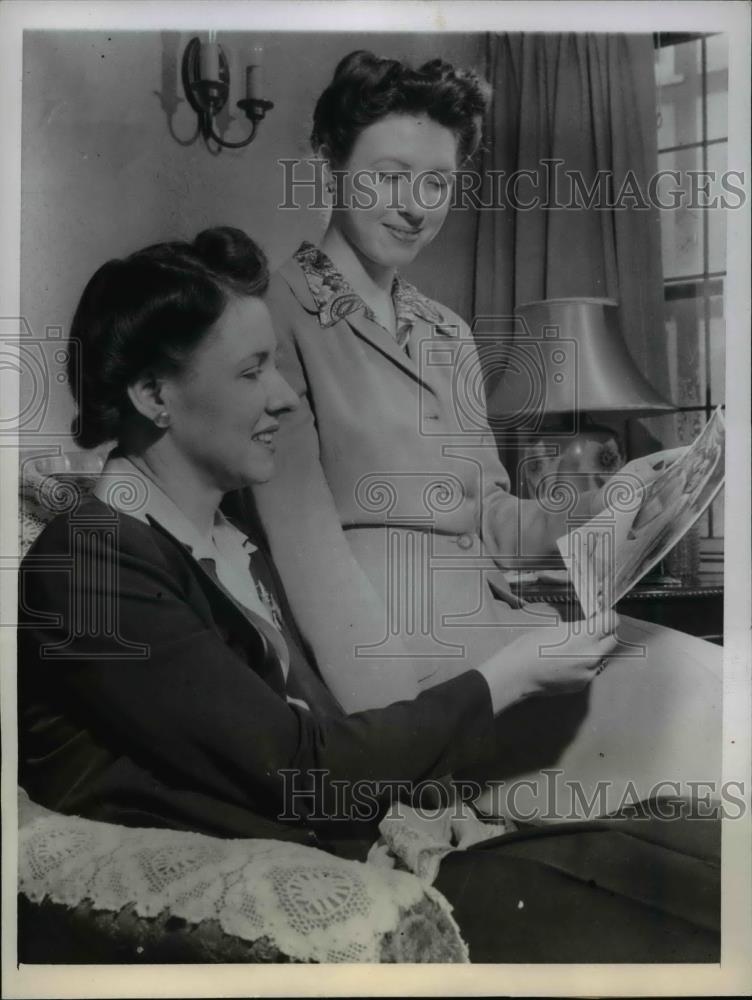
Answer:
(695, 607)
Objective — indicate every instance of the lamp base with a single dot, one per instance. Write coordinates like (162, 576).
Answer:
(584, 461)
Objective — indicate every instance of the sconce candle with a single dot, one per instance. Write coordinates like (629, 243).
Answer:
(209, 61)
(254, 76)
(253, 82)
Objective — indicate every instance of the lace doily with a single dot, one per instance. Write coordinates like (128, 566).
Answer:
(49, 485)
(312, 906)
(418, 840)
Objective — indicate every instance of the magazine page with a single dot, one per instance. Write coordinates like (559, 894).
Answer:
(609, 554)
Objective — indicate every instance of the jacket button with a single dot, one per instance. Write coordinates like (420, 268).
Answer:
(465, 541)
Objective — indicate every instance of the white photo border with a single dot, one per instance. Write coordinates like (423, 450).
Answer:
(734, 974)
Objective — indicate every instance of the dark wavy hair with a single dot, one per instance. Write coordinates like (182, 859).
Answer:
(148, 312)
(366, 89)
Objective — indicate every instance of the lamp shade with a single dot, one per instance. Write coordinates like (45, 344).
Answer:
(567, 356)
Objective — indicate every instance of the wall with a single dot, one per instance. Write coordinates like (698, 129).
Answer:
(108, 166)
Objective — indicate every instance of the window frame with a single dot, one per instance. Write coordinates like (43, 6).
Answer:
(704, 284)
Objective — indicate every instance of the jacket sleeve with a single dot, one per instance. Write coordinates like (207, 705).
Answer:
(151, 677)
(336, 606)
(510, 526)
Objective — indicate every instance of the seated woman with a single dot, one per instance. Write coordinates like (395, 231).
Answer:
(161, 683)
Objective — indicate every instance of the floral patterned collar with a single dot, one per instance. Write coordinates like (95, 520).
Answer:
(335, 298)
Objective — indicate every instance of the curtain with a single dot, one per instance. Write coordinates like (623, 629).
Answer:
(588, 101)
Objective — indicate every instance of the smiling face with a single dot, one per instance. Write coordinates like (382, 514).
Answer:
(396, 188)
(225, 404)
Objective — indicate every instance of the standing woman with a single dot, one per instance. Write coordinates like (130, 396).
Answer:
(377, 443)
(382, 488)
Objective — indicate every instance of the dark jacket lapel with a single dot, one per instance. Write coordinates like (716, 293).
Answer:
(303, 680)
(254, 629)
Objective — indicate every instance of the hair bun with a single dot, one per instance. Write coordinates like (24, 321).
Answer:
(230, 251)
(475, 91)
(366, 88)
(363, 68)
(438, 69)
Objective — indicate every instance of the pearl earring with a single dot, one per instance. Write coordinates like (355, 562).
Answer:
(162, 419)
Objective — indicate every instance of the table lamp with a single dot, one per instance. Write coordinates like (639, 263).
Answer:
(566, 361)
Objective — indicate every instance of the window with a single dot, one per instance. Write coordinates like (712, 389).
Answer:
(692, 120)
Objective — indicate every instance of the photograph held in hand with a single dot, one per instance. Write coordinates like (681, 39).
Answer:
(608, 555)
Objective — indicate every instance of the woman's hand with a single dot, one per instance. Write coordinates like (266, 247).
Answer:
(551, 660)
(636, 475)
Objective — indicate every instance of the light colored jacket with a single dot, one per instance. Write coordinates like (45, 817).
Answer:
(383, 438)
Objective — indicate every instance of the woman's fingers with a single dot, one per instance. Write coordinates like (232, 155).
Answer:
(561, 660)
(604, 623)
(608, 621)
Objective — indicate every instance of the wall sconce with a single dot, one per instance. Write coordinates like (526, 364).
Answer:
(206, 81)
